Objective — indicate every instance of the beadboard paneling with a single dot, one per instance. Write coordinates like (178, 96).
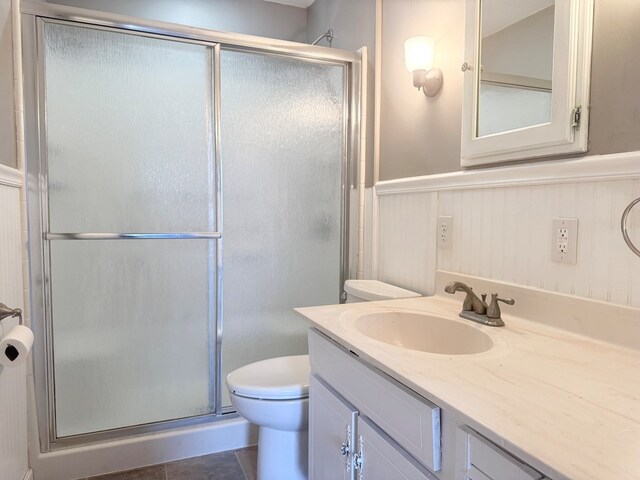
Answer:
(505, 234)
(502, 226)
(368, 240)
(406, 241)
(13, 395)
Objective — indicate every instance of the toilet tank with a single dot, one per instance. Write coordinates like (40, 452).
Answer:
(371, 290)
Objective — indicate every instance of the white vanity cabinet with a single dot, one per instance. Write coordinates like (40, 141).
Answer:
(364, 426)
(337, 453)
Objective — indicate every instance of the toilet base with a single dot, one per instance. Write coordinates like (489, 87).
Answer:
(282, 455)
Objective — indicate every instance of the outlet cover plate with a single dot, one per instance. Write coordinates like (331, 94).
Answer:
(445, 231)
(564, 240)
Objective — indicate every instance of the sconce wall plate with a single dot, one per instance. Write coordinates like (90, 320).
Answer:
(430, 81)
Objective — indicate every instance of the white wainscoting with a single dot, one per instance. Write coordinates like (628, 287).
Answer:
(367, 248)
(13, 387)
(406, 240)
(502, 231)
(505, 234)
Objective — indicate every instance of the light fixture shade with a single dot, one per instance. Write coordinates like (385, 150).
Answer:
(419, 53)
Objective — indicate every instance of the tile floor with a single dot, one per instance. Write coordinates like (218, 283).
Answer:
(233, 465)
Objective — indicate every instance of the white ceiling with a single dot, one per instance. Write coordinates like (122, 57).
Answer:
(499, 14)
(295, 3)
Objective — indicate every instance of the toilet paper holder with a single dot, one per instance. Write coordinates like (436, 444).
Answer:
(6, 312)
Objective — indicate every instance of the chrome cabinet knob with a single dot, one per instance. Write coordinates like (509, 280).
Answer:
(344, 449)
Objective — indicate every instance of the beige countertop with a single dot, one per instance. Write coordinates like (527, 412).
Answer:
(567, 404)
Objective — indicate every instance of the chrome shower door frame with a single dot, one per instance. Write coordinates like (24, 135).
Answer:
(40, 235)
(34, 14)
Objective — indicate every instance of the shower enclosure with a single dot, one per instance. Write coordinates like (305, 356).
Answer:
(152, 144)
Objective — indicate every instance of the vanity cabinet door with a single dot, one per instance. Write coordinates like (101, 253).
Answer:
(382, 459)
(332, 423)
(480, 459)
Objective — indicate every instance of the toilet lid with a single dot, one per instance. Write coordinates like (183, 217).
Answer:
(282, 378)
(373, 290)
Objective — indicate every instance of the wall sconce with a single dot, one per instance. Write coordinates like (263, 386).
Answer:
(419, 53)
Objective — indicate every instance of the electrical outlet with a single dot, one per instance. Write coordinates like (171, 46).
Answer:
(445, 230)
(564, 246)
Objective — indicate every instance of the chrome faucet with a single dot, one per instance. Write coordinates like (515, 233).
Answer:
(476, 309)
(471, 301)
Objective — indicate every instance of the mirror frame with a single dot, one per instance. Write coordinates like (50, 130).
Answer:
(573, 30)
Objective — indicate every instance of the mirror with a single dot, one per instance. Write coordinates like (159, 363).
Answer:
(515, 89)
(526, 69)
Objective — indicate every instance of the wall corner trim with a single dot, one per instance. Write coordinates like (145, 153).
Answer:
(619, 166)
(11, 177)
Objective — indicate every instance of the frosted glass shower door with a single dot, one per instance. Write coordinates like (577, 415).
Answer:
(129, 150)
(282, 155)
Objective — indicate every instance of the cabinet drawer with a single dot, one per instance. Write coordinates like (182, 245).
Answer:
(412, 421)
(480, 459)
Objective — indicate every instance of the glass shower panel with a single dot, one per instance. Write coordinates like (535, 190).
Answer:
(128, 132)
(282, 152)
(131, 337)
(129, 149)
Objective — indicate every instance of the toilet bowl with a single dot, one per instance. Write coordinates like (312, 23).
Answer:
(274, 395)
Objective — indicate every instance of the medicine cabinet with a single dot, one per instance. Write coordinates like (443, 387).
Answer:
(527, 74)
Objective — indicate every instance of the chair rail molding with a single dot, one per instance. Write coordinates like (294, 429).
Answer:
(10, 177)
(618, 166)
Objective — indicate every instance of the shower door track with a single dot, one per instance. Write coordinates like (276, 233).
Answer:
(32, 12)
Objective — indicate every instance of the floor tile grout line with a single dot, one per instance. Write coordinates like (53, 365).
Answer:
(244, 475)
(247, 474)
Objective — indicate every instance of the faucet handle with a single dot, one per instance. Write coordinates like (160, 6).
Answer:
(493, 310)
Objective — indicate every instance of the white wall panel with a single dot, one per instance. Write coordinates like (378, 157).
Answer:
(406, 241)
(13, 396)
(505, 233)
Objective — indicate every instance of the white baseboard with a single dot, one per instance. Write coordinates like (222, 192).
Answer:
(28, 475)
(135, 452)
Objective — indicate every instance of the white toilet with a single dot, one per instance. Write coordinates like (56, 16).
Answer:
(274, 394)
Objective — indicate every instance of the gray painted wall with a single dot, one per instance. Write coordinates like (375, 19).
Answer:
(7, 111)
(615, 78)
(353, 24)
(422, 136)
(253, 17)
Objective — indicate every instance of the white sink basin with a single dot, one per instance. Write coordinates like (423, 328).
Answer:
(425, 333)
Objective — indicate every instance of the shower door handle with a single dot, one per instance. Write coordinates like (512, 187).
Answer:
(133, 236)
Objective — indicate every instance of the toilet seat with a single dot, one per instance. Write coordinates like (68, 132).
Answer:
(282, 378)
